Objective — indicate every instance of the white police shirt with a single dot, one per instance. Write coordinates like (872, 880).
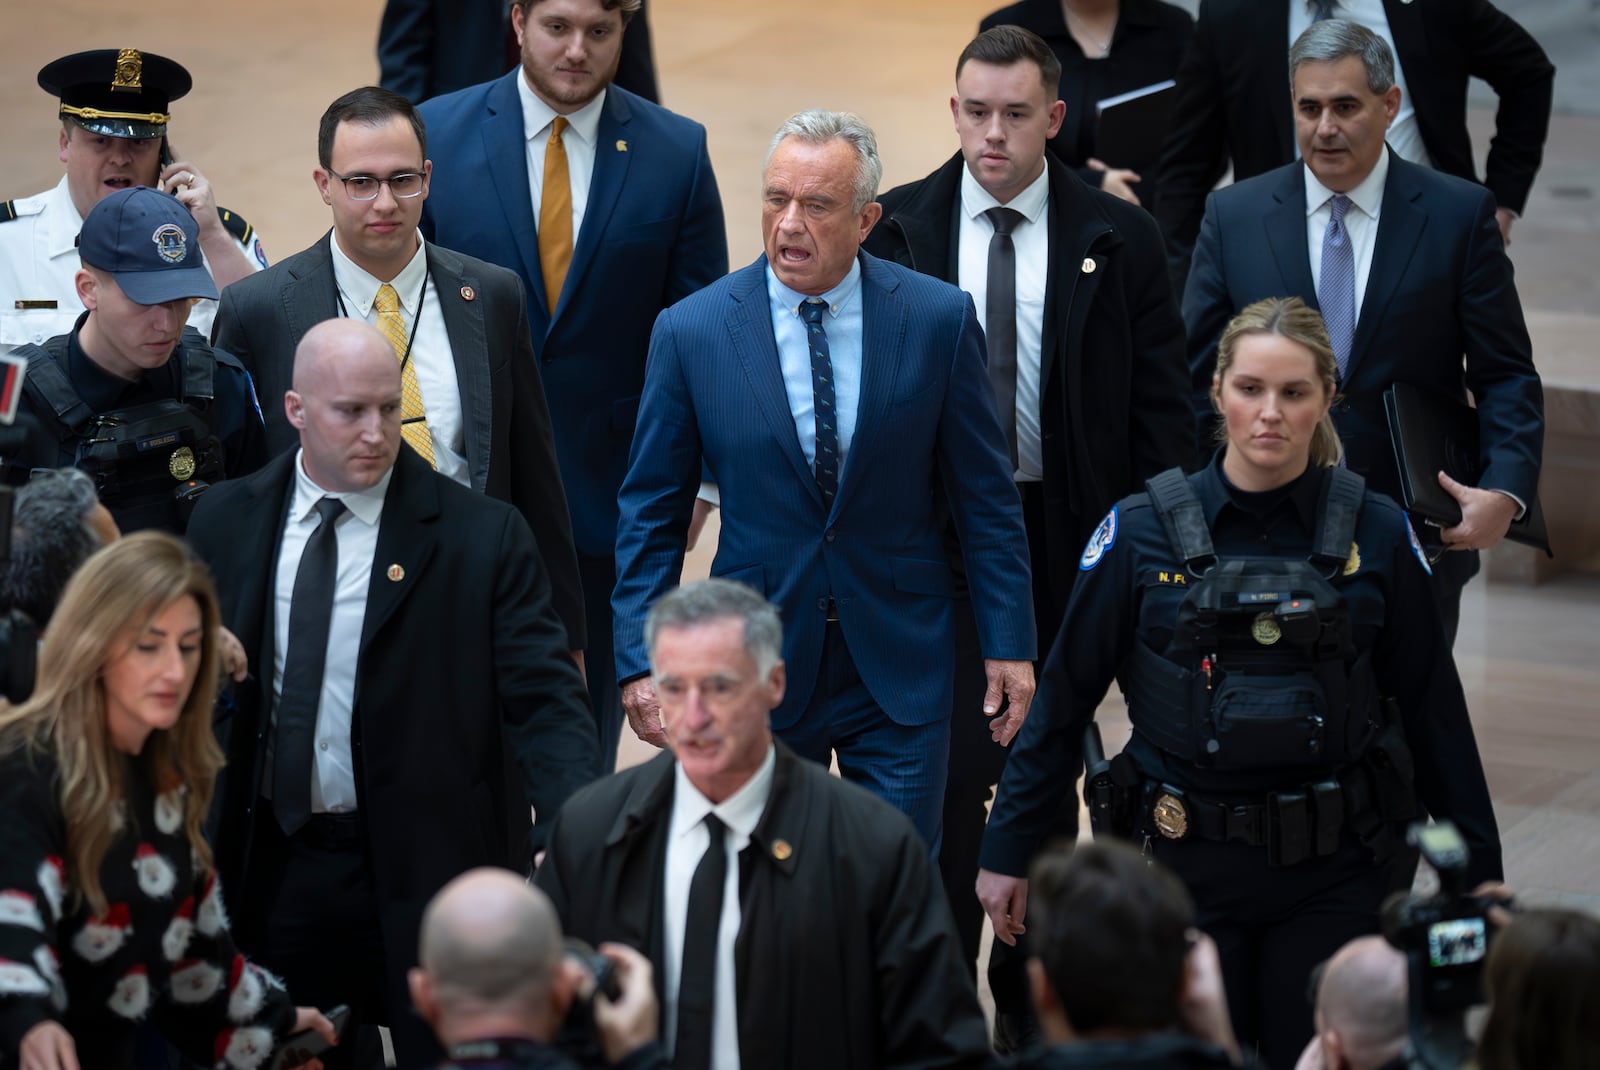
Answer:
(39, 259)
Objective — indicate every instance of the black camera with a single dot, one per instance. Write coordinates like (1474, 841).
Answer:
(1445, 938)
(19, 640)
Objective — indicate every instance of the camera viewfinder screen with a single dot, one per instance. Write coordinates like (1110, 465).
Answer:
(1457, 942)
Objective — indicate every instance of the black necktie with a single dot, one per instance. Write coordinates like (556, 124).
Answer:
(697, 980)
(827, 462)
(1000, 320)
(1322, 9)
(309, 613)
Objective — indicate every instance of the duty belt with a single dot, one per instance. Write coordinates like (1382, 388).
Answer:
(1292, 825)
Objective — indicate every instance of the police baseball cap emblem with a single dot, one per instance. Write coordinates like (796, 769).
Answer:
(117, 92)
(1171, 817)
(144, 239)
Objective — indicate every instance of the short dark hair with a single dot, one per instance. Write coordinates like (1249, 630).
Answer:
(374, 107)
(1111, 930)
(50, 538)
(1005, 45)
(629, 8)
(1542, 980)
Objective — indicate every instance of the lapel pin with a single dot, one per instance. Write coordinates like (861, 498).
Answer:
(396, 573)
(622, 146)
(781, 850)
(1088, 265)
(468, 293)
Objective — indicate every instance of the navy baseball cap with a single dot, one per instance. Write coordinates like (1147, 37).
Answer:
(149, 243)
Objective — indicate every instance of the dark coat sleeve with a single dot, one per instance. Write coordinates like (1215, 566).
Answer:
(1505, 55)
(1162, 431)
(1207, 307)
(1196, 150)
(542, 696)
(407, 43)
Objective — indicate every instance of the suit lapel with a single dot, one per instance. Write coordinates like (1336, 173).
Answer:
(1400, 226)
(406, 541)
(883, 336)
(611, 159)
(469, 349)
(505, 151)
(750, 329)
(1285, 226)
(267, 496)
(313, 295)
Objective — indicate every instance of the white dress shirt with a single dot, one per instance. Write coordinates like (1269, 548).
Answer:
(843, 323)
(431, 354)
(333, 780)
(1403, 136)
(578, 140)
(1031, 239)
(687, 840)
(1360, 223)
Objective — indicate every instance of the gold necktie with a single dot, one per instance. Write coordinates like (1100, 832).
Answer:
(413, 417)
(555, 215)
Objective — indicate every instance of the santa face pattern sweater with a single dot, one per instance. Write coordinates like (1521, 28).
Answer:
(161, 948)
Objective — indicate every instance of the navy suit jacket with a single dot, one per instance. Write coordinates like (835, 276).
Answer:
(715, 393)
(653, 233)
(1233, 100)
(1440, 289)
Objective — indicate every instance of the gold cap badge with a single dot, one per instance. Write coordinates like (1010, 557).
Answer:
(128, 75)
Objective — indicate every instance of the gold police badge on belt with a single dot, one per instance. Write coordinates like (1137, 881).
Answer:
(1264, 629)
(1170, 816)
(181, 463)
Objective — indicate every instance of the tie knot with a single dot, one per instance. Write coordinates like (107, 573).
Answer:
(811, 310)
(1005, 220)
(1340, 205)
(387, 300)
(558, 127)
(715, 827)
(330, 509)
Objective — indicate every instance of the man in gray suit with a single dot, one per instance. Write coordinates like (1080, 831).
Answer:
(474, 405)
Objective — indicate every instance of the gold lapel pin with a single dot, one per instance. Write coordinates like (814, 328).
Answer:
(1088, 265)
(396, 573)
(781, 850)
(622, 146)
(468, 293)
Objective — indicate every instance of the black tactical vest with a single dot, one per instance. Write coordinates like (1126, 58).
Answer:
(1261, 672)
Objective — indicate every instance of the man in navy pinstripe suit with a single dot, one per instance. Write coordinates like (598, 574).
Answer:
(841, 403)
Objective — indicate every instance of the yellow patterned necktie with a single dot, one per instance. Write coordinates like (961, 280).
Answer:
(555, 215)
(413, 417)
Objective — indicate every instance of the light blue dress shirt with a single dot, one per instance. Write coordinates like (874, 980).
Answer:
(843, 324)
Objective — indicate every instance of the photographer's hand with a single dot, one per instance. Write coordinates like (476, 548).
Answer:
(633, 1021)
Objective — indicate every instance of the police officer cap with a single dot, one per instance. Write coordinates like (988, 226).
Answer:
(149, 243)
(116, 92)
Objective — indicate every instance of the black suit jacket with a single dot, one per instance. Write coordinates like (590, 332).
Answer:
(509, 445)
(1112, 410)
(1233, 100)
(1440, 290)
(846, 955)
(461, 657)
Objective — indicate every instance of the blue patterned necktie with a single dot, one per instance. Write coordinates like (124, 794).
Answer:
(1336, 289)
(827, 462)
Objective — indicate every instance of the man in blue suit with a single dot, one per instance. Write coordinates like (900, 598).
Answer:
(829, 393)
(1411, 277)
(607, 207)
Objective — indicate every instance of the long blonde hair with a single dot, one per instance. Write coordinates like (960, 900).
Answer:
(117, 593)
(1291, 318)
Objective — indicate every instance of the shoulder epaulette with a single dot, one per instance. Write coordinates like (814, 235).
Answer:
(235, 224)
(8, 211)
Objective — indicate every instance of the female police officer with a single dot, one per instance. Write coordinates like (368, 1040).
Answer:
(1285, 672)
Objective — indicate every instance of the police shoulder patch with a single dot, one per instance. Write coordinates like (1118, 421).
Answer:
(1416, 547)
(1104, 537)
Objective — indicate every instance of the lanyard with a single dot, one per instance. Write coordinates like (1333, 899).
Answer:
(411, 335)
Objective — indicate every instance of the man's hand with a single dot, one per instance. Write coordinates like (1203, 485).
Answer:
(644, 711)
(227, 261)
(633, 1020)
(313, 1019)
(231, 656)
(1014, 681)
(47, 1046)
(1117, 181)
(583, 669)
(1505, 217)
(1005, 900)
(1204, 1006)
(1486, 515)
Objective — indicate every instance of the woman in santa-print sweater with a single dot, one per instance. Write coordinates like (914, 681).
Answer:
(109, 908)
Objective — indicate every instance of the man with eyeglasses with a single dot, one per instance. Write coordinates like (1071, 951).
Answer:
(474, 403)
(115, 112)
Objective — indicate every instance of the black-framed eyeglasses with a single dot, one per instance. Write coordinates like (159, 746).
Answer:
(405, 185)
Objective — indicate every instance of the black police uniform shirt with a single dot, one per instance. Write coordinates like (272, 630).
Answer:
(1130, 585)
(236, 410)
